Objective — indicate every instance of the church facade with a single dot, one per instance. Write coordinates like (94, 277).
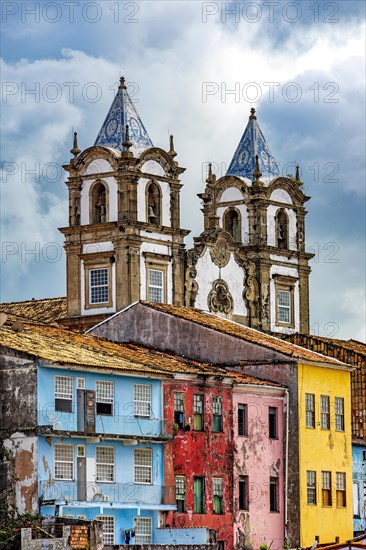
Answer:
(124, 241)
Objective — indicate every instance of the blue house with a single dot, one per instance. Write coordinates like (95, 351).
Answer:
(359, 487)
(110, 464)
(86, 429)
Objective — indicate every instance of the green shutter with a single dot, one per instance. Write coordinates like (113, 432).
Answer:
(198, 495)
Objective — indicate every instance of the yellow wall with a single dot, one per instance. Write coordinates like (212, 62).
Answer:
(325, 450)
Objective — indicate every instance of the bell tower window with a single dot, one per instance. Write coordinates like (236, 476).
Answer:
(232, 224)
(282, 229)
(99, 203)
(153, 204)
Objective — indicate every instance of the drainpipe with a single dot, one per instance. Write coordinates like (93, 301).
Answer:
(286, 457)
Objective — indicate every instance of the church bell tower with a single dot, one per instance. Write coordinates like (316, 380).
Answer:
(123, 242)
(250, 264)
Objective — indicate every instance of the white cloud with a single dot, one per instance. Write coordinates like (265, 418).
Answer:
(170, 53)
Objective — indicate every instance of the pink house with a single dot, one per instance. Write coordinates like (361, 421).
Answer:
(259, 465)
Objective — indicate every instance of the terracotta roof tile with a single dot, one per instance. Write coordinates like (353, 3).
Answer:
(46, 310)
(244, 333)
(57, 345)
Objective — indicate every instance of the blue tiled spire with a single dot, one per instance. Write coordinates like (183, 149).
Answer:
(113, 130)
(251, 144)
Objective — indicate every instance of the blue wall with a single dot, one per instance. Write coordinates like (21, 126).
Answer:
(359, 477)
(124, 519)
(122, 422)
(124, 468)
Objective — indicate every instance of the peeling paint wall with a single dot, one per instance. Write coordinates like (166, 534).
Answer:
(18, 412)
(22, 472)
(258, 457)
(18, 382)
(204, 453)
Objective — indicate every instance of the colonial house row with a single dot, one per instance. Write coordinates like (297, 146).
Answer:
(156, 446)
(266, 454)
(318, 476)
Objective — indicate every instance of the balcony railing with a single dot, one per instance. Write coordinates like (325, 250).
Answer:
(122, 493)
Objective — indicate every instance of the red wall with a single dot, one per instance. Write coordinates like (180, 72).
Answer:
(207, 454)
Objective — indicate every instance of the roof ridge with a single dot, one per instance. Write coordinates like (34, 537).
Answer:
(263, 335)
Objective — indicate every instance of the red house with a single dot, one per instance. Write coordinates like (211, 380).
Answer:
(199, 459)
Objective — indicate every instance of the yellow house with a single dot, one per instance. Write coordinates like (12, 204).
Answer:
(325, 453)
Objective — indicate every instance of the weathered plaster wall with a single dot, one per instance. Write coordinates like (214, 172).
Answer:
(18, 411)
(166, 332)
(204, 453)
(21, 454)
(259, 458)
(18, 381)
(287, 374)
(232, 274)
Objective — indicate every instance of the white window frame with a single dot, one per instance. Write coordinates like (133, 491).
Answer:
(143, 466)
(64, 389)
(80, 451)
(284, 308)
(102, 287)
(65, 457)
(104, 464)
(80, 383)
(143, 530)
(154, 286)
(108, 529)
(142, 400)
(104, 395)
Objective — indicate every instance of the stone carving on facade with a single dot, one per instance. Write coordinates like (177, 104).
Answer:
(220, 252)
(219, 299)
(251, 290)
(191, 286)
(194, 253)
(264, 307)
(300, 235)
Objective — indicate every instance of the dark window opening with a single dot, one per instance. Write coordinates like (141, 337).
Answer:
(273, 495)
(232, 224)
(178, 410)
(180, 493)
(105, 409)
(242, 419)
(243, 493)
(282, 229)
(153, 204)
(99, 198)
(272, 422)
(63, 405)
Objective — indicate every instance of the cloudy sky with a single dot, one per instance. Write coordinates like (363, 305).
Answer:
(194, 69)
